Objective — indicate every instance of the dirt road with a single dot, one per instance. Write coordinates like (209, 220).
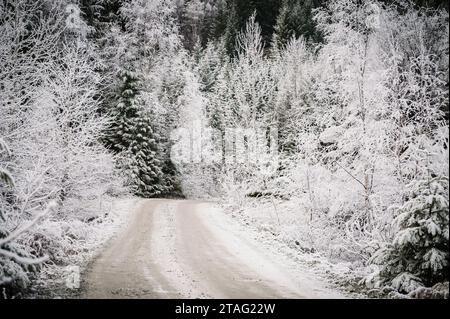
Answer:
(189, 249)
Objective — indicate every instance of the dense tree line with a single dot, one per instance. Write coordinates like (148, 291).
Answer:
(92, 91)
(359, 98)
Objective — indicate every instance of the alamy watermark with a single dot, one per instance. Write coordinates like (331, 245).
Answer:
(72, 277)
(257, 146)
(76, 25)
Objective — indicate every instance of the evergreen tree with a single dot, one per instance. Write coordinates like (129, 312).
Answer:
(233, 15)
(210, 62)
(296, 19)
(419, 253)
(142, 159)
(147, 39)
(231, 31)
(132, 136)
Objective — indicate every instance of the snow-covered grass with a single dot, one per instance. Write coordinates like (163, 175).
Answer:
(363, 152)
(316, 277)
(285, 228)
(361, 120)
(72, 244)
(282, 227)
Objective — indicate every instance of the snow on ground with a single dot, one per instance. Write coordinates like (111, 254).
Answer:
(164, 252)
(276, 228)
(192, 249)
(62, 281)
(256, 249)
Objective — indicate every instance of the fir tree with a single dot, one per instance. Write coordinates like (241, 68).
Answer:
(233, 15)
(296, 19)
(231, 30)
(142, 158)
(419, 253)
(132, 136)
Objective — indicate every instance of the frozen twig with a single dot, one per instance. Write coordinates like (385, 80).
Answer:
(19, 231)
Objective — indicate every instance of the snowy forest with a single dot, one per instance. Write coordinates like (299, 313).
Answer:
(324, 124)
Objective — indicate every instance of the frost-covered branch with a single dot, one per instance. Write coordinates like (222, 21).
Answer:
(22, 229)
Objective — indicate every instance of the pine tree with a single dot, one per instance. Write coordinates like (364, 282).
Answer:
(143, 162)
(231, 30)
(132, 136)
(282, 31)
(419, 253)
(210, 62)
(147, 42)
(232, 17)
(295, 19)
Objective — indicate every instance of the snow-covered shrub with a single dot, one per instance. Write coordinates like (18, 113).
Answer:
(355, 116)
(12, 274)
(27, 42)
(49, 117)
(418, 255)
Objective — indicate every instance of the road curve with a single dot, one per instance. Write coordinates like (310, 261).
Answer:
(181, 249)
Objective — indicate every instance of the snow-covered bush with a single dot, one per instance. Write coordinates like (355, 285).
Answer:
(418, 255)
(355, 116)
(25, 41)
(50, 120)
(16, 258)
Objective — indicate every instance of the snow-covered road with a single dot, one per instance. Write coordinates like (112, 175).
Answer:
(190, 249)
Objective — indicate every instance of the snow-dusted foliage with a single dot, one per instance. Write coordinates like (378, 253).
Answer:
(418, 255)
(131, 135)
(240, 103)
(146, 42)
(362, 122)
(324, 123)
(50, 122)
